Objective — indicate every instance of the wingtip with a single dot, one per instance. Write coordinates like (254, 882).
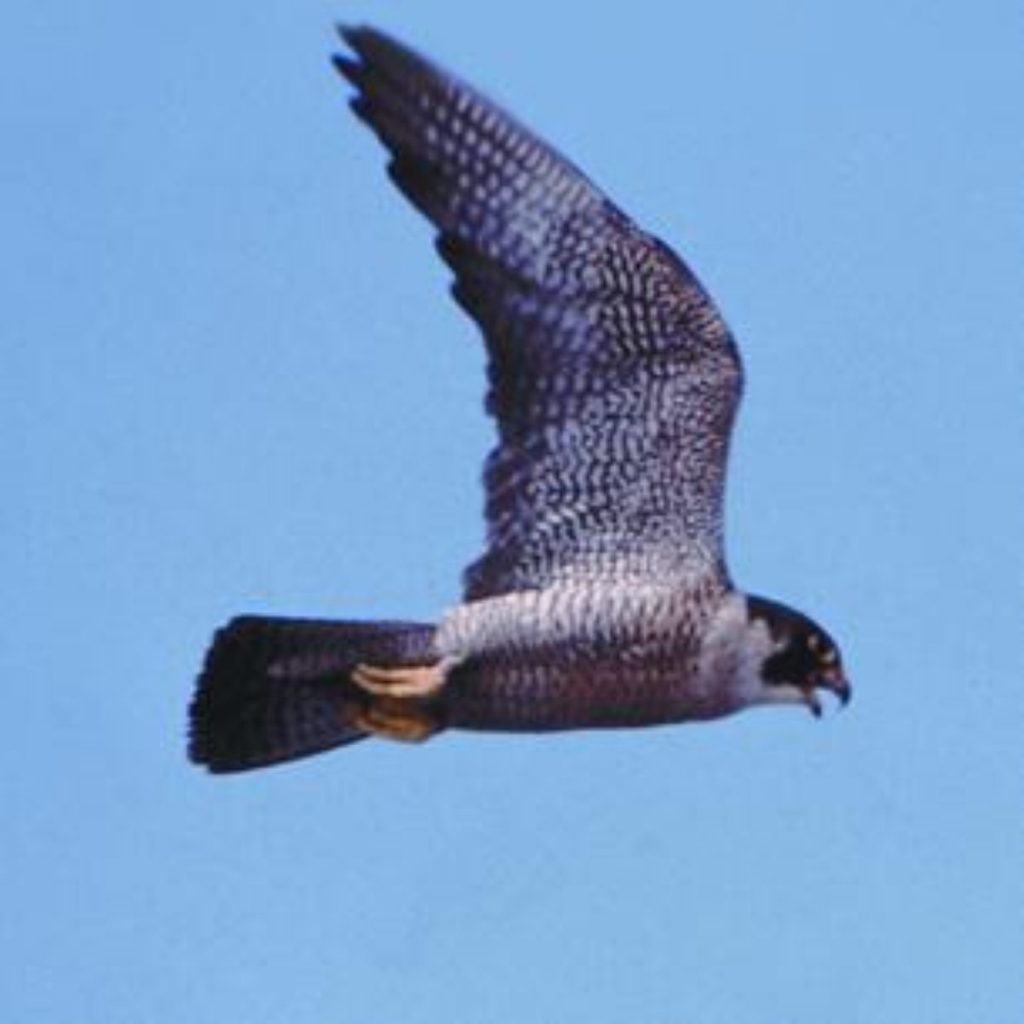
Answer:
(348, 68)
(360, 37)
(348, 33)
(371, 45)
(365, 44)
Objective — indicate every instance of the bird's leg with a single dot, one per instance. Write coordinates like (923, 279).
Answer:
(402, 719)
(406, 681)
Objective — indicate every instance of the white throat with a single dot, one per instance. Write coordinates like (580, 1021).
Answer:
(732, 657)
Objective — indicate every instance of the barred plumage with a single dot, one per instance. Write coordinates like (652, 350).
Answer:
(613, 379)
(602, 598)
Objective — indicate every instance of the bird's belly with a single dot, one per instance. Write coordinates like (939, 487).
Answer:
(579, 691)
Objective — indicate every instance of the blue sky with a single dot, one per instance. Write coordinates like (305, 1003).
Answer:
(232, 382)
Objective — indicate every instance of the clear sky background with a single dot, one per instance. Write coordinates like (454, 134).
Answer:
(232, 381)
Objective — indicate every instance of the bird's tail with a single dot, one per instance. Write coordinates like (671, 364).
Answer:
(274, 690)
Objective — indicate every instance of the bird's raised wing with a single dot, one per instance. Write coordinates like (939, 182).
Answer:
(613, 379)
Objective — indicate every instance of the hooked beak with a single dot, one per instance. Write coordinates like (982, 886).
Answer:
(833, 680)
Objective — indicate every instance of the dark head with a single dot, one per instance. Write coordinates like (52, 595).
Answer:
(804, 656)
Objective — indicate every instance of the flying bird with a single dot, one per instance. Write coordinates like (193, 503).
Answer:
(602, 598)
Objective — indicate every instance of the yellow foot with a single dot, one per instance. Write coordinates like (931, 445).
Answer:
(402, 720)
(407, 681)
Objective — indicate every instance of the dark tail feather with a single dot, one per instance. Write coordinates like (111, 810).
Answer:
(274, 690)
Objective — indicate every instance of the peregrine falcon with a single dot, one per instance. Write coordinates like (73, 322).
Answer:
(602, 598)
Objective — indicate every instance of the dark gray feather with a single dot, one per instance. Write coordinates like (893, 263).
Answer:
(613, 379)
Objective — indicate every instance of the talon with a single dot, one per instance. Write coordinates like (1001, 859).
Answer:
(405, 681)
(398, 720)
